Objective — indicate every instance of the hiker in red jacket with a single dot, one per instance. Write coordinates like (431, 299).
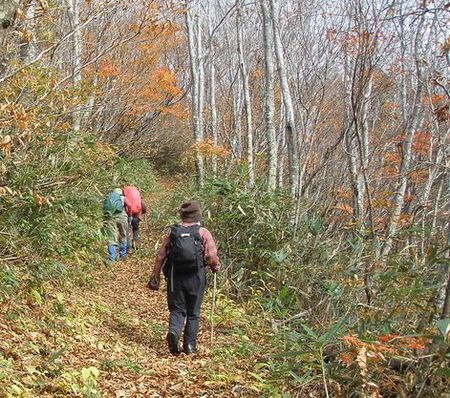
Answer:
(135, 208)
(186, 250)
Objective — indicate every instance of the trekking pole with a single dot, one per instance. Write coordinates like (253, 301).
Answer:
(145, 221)
(213, 305)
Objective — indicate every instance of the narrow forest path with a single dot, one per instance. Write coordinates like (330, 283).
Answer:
(103, 335)
(124, 336)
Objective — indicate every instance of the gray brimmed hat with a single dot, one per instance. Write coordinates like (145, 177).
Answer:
(190, 211)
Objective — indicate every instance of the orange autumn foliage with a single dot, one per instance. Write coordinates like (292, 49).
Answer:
(108, 68)
(440, 106)
(177, 110)
(144, 86)
(166, 83)
(345, 208)
(207, 148)
(421, 143)
(418, 176)
(342, 193)
(256, 73)
(391, 163)
(331, 34)
(387, 344)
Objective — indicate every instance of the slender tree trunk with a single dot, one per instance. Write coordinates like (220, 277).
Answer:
(290, 125)
(281, 138)
(74, 16)
(433, 172)
(237, 116)
(8, 10)
(363, 143)
(410, 127)
(89, 107)
(195, 85)
(212, 93)
(247, 98)
(212, 104)
(436, 207)
(269, 98)
(27, 45)
(351, 142)
(201, 77)
(446, 304)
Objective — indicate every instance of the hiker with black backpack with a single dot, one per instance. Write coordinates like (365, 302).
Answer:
(116, 224)
(185, 251)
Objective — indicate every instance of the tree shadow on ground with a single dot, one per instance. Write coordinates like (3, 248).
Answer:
(152, 340)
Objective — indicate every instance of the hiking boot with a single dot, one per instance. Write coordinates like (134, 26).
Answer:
(189, 349)
(172, 342)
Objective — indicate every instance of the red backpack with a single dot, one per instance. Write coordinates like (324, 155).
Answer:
(133, 202)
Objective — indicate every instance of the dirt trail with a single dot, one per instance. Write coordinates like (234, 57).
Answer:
(105, 337)
(127, 335)
(135, 332)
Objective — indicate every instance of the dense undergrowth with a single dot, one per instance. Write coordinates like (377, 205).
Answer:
(299, 287)
(330, 329)
(51, 246)
(53, 180)
(54, 230)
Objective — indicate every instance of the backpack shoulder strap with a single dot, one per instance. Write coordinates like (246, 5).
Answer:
(174, 229)
(196, 229)
(199, 244)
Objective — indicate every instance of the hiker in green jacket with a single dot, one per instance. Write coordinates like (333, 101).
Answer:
(116, 224)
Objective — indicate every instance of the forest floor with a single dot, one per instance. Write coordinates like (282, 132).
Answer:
(107, 338)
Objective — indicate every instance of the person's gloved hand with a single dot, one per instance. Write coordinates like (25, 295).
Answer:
(153, 283)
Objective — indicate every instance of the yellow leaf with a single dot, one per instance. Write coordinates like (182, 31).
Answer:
(361, 359)
(6, 141)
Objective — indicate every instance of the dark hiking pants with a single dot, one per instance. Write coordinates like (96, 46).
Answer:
(184, 299)
(133, 226)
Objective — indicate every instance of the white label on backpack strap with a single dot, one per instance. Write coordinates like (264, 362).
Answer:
(185, 235)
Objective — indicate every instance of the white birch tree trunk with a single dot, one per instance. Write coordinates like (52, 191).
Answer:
(237, 116)
(197, 115)
(212, 93)
(361, 107)
(445, 291)
(351, 144)
(410, 124)
(8, 10)
(27, 45)
(269, 98)
(77, 49)
(290, 125)
(246, 92)
(89, 107)
(201, 77)
(281, 138)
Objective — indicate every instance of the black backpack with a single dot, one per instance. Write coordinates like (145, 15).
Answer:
(185, 249)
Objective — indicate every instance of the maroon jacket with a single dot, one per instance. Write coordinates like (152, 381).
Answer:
(209, 250)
